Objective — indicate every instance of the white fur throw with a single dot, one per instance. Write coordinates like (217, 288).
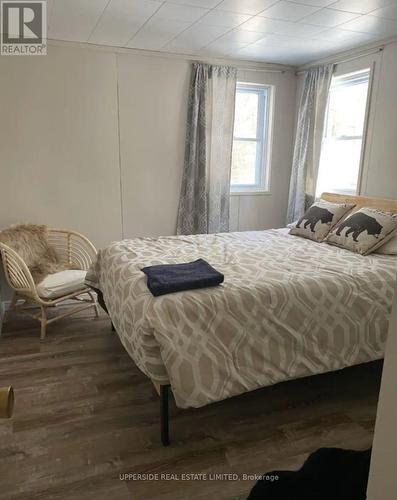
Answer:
(30, 241)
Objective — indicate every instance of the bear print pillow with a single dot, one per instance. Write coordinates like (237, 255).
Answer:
(319, 219)
(364, 231)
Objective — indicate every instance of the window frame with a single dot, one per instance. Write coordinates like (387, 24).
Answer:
(263, 139)
(367, 69)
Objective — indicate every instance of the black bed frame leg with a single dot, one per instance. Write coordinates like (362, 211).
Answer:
(113, 328)
(165, 433)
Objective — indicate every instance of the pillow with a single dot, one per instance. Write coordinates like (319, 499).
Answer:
(364, 231)
(388, 248)
(319, 219)
(31, 243)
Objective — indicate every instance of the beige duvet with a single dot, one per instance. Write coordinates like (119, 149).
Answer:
(288, 308)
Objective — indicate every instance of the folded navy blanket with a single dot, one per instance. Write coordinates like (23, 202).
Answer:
(169, 278)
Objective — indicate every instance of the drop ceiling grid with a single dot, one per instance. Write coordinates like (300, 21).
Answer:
(285, 31)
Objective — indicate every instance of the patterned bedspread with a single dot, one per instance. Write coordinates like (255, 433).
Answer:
(288, 308)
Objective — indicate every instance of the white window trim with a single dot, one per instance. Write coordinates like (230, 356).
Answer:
(264, 188)
(364, 138)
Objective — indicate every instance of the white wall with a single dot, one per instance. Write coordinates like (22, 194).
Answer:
(152, 138)
(381, 176)
(75, 120)
(382, 181)
(262, 211)
(382, 483)
(62, 156)
(153, 108)
(59, 142)
(93, 139)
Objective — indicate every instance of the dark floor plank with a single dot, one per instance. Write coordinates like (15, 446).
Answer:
(85, 414)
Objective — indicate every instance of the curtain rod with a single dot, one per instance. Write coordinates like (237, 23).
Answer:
(348, 59)
(247, 68)
(262, 70)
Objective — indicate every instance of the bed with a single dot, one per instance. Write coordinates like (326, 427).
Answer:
(288, 308)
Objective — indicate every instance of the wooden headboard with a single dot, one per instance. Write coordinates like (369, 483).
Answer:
(362, 201)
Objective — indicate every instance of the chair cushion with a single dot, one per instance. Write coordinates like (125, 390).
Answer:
(62, 283)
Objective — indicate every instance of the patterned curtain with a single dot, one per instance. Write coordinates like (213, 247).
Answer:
(205, 193)
(309, 134)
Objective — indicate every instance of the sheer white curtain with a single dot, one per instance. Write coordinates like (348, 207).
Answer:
(309, 134)
(205, 192)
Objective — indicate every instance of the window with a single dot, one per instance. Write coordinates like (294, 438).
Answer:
(250, 170)
(340, 160)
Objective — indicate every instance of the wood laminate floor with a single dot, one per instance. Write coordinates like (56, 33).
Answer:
(85, 415)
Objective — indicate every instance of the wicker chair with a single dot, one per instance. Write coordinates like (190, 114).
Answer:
(75, 251)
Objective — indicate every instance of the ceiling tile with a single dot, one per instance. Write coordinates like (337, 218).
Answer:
(283, 31)
(223, 18)
(372, 25)
(222, 50)
(284, 55)
(226, 47)
(183, 45)
(181, 49)
(251, 7)
(121, 20)
(197, 36)
(314, 3)
(264, 25)
(174, 12)
(241, 36)
(75, 19)
(206, 4)
(206, 33)
(360, 6)
(275, 41)
(251, 52)
(156, 33)
(387, 12)
(301, 30)
(339, 35)
(329, 17)
(288, 11)
(148, 40)
(292, 42)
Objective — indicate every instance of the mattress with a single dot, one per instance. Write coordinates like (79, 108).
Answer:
(288, 308)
